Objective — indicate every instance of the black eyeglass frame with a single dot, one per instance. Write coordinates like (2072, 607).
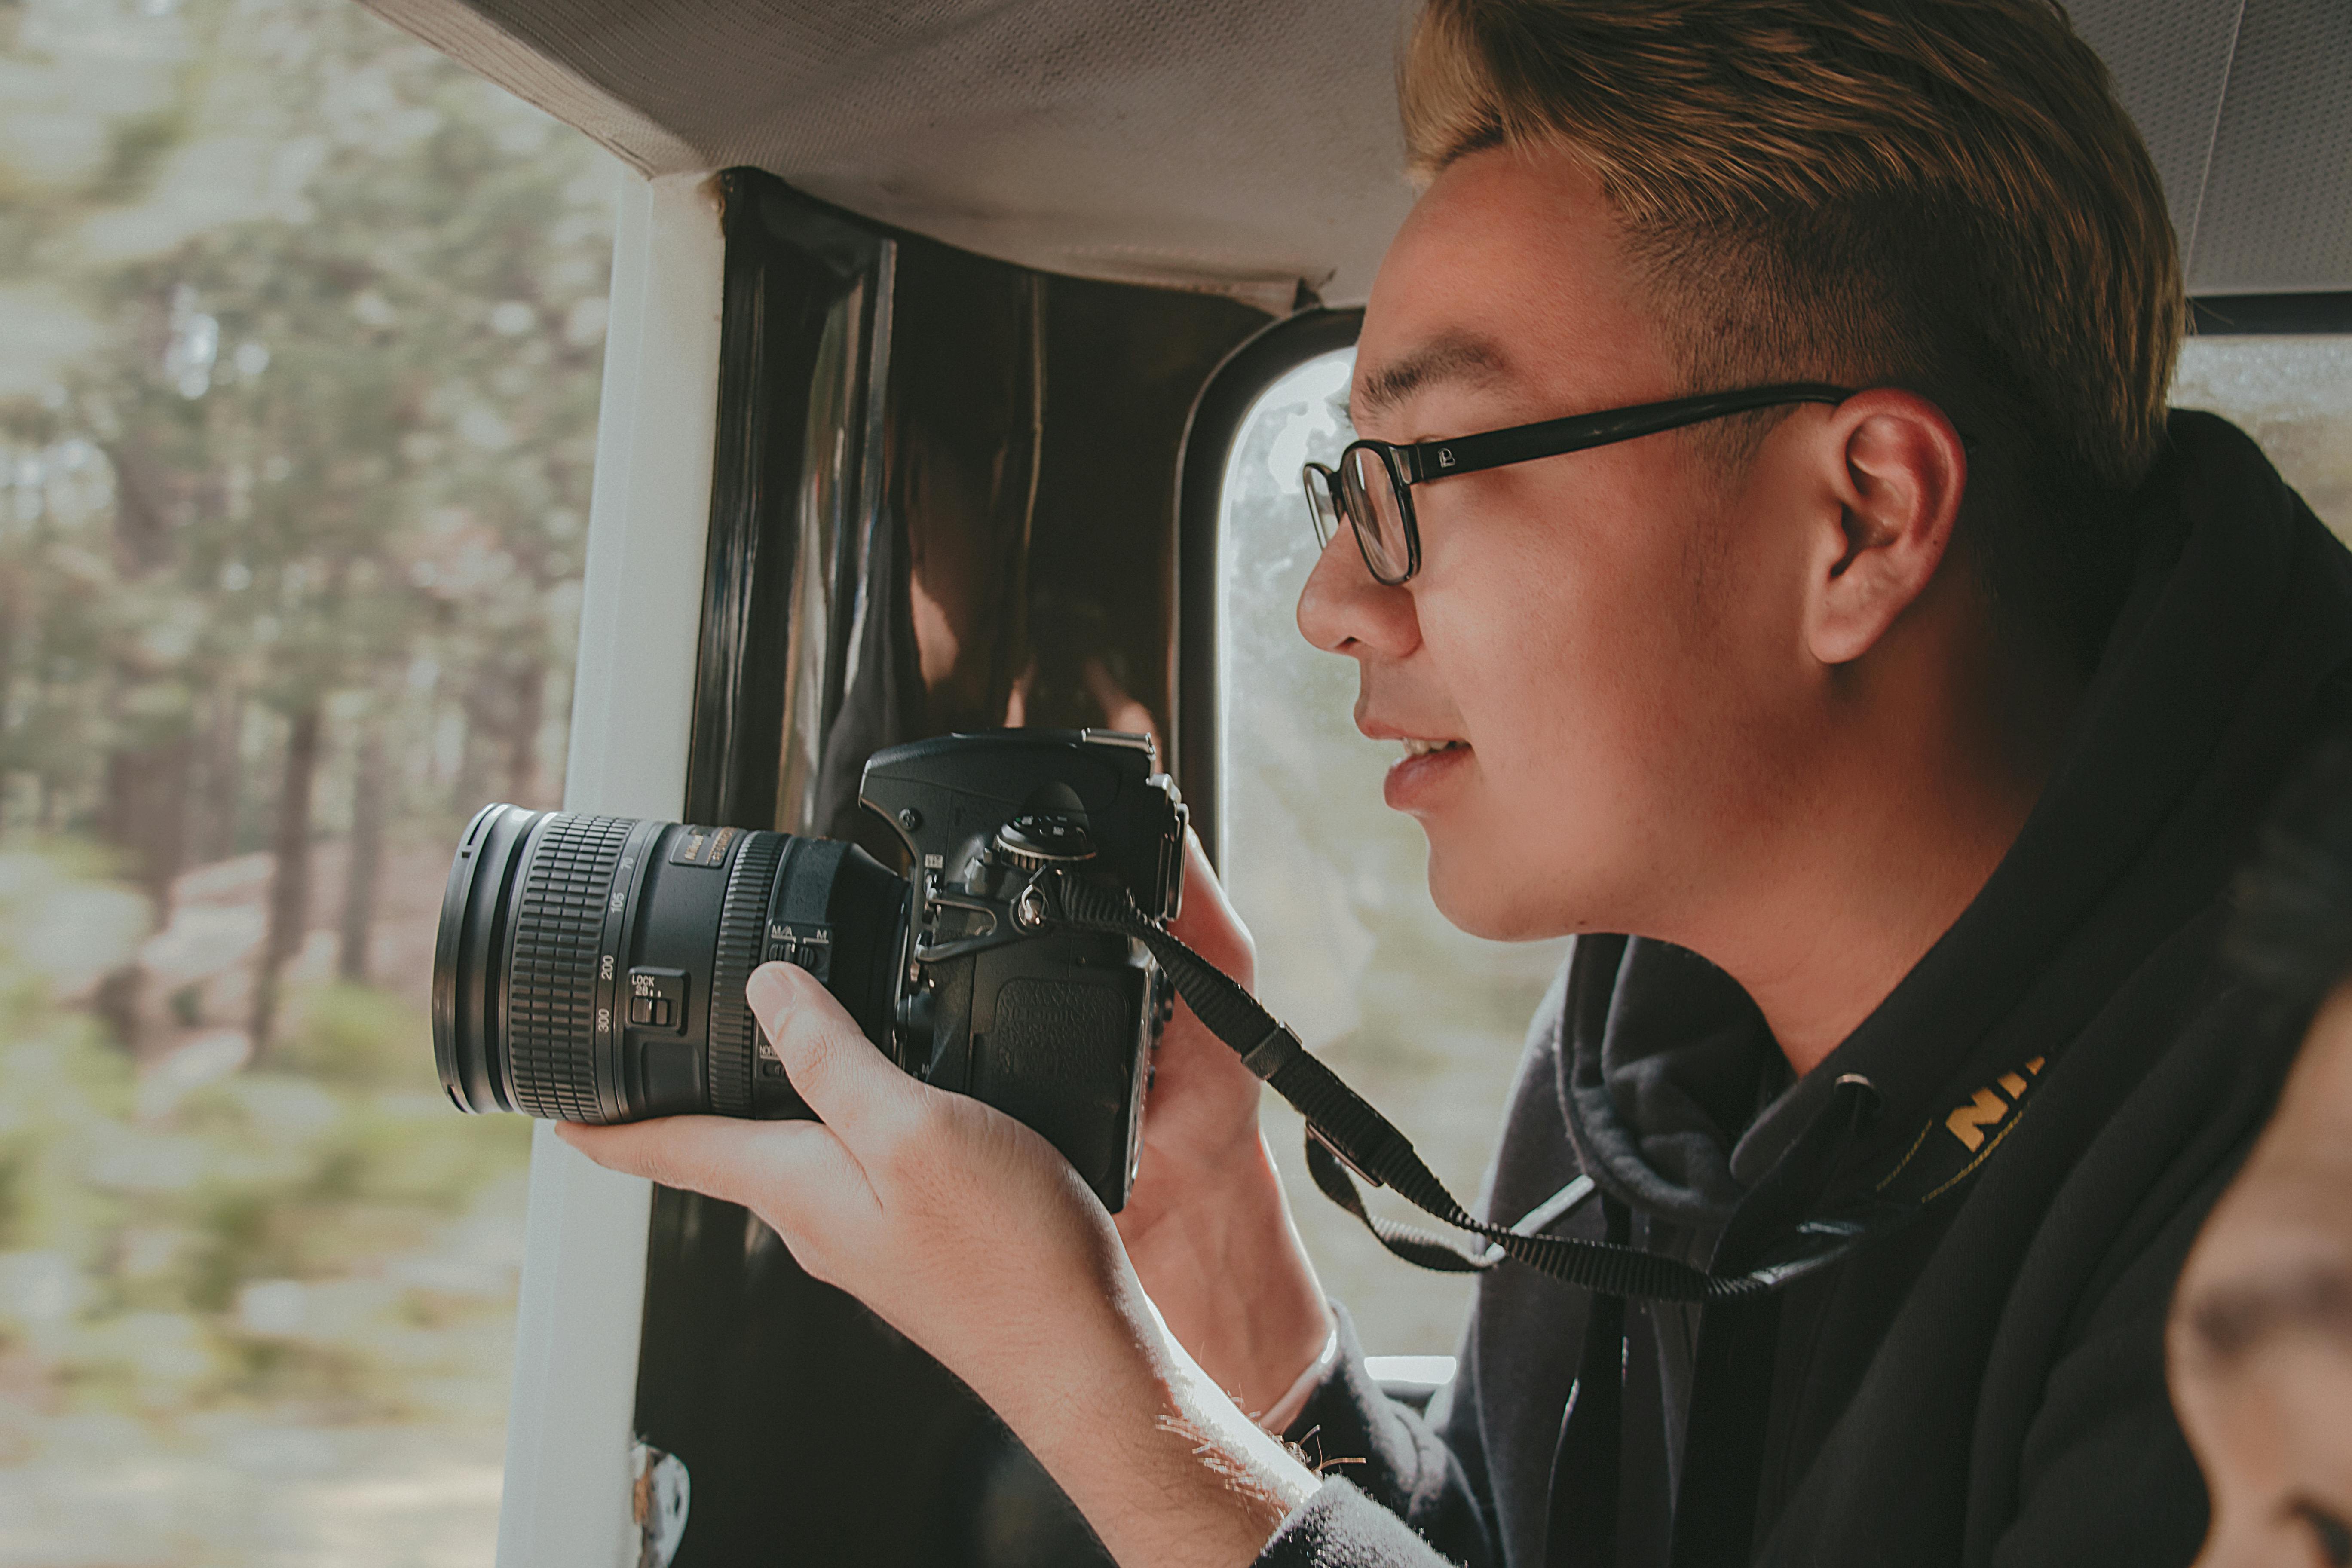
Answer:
(1416, 463)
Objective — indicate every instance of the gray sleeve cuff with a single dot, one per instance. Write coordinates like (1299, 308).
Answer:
(1396, 1464)
(1339, 1527)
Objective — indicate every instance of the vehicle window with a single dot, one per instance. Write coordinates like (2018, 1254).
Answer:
(301, 336)
(2291, 395)
(1424, 1021)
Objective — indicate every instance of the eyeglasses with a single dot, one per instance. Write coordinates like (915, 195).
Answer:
(1372, 489)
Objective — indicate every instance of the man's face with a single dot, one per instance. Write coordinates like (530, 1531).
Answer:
(2262, 1329)
(1609, 637)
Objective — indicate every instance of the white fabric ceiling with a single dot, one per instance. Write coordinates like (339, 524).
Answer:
(1246, 146)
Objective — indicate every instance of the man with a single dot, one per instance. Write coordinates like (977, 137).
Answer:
(2261, 1327)
(1909, 720)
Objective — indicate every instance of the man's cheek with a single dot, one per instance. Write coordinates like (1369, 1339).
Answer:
(2311, 1386)
(1488, 872)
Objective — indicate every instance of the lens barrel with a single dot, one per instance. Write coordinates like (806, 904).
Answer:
(591, 968)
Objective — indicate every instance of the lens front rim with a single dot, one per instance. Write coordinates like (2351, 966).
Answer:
(470, 956)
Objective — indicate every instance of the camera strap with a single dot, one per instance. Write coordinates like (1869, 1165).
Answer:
(1346, 1134)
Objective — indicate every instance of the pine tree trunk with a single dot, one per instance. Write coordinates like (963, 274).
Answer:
(9, 622)
(289, 878)
(143, 812)
(165, 837)
(212, 833)
(370, 793)
(475, 758)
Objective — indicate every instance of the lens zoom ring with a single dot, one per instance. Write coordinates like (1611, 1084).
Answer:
(742, 925)
(551, 987)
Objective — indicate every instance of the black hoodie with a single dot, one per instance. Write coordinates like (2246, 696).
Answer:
(1987, 1385)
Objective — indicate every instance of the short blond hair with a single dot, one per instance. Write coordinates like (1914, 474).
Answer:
(1944, 194)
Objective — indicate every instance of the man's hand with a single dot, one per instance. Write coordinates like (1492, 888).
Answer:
(1207, 1226)
(972, 1236)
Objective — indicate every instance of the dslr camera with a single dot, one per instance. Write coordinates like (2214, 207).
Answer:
(591, 968)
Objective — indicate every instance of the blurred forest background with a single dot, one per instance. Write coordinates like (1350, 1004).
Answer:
(301, 333)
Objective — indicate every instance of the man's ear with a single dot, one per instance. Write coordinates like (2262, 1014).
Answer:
(1896, 469)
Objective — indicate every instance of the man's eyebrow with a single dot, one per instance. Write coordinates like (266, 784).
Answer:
(1455, 356)
(2232, 1318)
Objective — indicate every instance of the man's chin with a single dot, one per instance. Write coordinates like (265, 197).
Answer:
(1487, 897)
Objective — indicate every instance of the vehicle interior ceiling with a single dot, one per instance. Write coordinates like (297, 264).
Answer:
(983, 262)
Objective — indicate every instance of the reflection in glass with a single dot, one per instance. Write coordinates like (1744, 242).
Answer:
(827, 487)
(974, 491)
(929, 599)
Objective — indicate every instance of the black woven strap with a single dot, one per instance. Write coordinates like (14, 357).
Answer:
(1345, 1131)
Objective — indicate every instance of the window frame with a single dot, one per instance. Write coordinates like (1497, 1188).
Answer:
(1218, 414)
(578, 1324)
(2318, 314)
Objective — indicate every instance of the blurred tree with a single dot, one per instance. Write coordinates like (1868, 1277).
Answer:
(299, 340)
(323, 462)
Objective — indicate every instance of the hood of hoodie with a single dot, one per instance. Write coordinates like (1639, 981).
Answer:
(1676, 1095)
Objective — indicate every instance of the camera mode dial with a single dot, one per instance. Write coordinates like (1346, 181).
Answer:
(1039, 839)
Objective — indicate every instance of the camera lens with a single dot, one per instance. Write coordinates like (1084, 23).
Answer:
(591, 968)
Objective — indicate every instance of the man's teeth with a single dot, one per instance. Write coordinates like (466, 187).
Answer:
(1413, 748)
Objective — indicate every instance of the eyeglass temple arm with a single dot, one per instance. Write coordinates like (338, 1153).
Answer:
(1551, 438)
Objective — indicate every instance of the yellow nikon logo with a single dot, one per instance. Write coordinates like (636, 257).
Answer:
(1990, 1103)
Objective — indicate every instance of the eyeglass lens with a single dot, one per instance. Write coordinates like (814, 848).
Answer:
(1378, 513)
(1322, 506)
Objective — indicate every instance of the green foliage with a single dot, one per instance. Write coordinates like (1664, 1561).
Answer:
(300, 335)
(275, 1236)
(135, 147)
(363, 1037)
(334, 445)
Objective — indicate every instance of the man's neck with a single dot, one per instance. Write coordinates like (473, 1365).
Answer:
(1927, 772)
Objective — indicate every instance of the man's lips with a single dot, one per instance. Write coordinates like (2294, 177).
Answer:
(1429, 760)
(1426, 764)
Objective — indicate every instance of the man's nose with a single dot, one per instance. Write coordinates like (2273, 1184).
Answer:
(1342, 609)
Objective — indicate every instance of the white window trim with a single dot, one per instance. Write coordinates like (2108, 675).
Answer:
(566, 1500)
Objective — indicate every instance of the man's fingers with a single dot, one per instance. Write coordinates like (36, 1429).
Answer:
(857, 1090)
(728, 1157)
(1208, 925)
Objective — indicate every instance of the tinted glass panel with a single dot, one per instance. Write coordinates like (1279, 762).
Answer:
(946, 501)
